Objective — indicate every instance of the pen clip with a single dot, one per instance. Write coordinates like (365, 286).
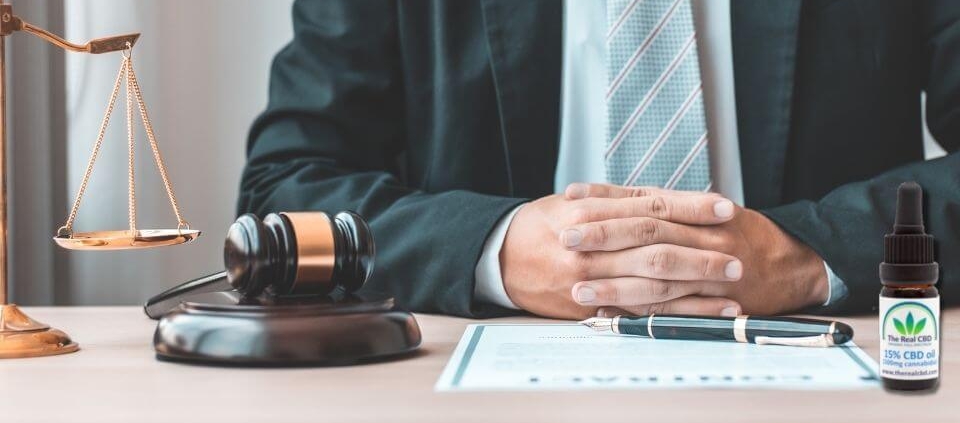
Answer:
(798, 341)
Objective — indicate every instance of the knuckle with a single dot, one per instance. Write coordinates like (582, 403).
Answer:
(637, 192)
(715, 241)
(656, 292)
(647, 231)
(691, 210)
(592, 190)
(707, 264)
(599, 234)
(568, 262)
(661, 261)
(580, 215)
(609, 294)
(658, 207)
(721, 243)
(577, 264)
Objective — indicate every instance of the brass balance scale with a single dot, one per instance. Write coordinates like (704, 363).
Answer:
(21, 336)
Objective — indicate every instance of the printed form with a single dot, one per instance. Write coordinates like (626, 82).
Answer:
(574, 357)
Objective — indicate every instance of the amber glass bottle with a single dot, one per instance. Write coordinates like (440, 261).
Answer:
(909, 302)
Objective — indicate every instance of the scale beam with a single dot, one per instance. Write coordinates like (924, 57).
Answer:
(10, 23)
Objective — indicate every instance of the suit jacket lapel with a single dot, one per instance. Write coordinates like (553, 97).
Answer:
(764, 57)
(524, 39)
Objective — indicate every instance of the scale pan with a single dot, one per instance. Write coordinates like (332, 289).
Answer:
(126, 240)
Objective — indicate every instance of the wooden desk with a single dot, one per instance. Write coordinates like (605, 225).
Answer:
(115, 378)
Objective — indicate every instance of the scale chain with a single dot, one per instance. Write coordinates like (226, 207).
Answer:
(148, 127)
(131, 191)
(67, 228)
(132, 87)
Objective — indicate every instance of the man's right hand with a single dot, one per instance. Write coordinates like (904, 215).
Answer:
(539, 271)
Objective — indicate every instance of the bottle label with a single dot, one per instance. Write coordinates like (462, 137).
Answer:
(910, 338)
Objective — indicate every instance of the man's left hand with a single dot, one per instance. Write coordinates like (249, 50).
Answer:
(780, 273)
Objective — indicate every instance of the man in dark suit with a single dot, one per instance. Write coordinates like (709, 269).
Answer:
(442, 123)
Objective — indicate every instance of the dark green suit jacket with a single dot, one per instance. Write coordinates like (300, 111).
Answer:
(435, 118)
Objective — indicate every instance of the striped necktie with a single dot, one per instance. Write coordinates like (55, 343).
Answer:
(656, 130)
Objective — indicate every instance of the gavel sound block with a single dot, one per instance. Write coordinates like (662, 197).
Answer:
(287, 298)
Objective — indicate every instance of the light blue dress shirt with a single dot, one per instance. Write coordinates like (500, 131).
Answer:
(583, 120)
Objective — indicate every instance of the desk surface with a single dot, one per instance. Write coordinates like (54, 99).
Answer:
(115, 378)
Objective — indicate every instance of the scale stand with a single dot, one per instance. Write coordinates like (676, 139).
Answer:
(21, 336)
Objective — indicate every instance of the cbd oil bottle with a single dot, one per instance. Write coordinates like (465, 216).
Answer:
(909, 302)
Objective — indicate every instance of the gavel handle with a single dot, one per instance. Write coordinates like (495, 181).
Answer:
(162, 303)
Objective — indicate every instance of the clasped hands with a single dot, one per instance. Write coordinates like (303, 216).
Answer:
(606, 249)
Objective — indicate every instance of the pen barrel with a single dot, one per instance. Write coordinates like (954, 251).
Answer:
(793, 327)
(705, 328)
(701, 328)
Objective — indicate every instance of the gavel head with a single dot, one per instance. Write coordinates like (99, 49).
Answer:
(299, 253)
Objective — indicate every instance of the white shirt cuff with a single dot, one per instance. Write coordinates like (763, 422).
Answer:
(489, 287)
(837, 289)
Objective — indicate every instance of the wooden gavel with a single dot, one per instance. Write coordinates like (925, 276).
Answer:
(285, 255)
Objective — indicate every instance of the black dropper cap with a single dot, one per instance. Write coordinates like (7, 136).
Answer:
(908, 251)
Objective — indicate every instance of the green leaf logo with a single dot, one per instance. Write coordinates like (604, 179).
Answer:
(899, 326)
(919, 327)
(909, 328)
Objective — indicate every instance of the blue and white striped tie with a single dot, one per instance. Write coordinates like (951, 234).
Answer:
(656, 130)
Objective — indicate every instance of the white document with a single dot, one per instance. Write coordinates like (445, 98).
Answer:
(574, 357)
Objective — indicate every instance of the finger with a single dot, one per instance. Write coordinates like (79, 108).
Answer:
(697, 209)
(706, 306)
(578, 190)
(619, 234)
(612, 312)
(631, 291)
(661, 261)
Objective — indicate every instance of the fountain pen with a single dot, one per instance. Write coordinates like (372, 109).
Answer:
(757, 330)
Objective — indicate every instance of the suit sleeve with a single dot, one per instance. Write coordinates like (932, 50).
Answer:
(846, 227)
(331, 139)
